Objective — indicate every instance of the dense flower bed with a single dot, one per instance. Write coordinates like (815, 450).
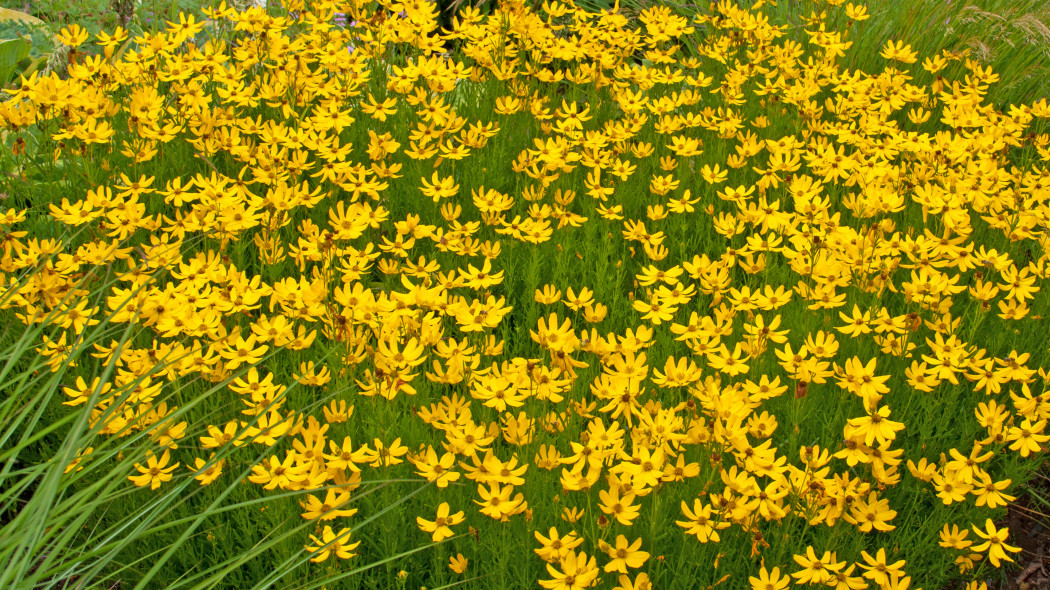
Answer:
(687, 304)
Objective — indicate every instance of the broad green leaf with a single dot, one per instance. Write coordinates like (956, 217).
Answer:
(12, 51)
(8, 14)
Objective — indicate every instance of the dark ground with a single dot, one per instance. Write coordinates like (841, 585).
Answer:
(1029, 522)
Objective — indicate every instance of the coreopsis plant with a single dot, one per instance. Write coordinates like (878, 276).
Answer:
(732, 311)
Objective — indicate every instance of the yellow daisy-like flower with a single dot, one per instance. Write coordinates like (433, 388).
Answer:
(73, 36)
(439, 527)
(155, 472)
(332, 543)
(995, 543)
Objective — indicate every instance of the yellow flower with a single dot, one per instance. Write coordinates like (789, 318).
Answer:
(156, 471)
(76, 463)
(576, 301)
(857, 12)
(699, 522)
(332, 543)
(548, 296)
(577, 572)
(497, 502)
(94, 130)
(329, 509)
(816, 570)
(622, 508)
(73, 36)
(641, 582)
(242, 351)
(878, 569)
(379, 110)
(876, 426)
(556, 547)
(436, 469)
(873, 514)
(624, 555)
(207, 474)
(954, 538)
(1027, 438)
(457, 563)
(769, 580)
(571, 515)
(899, 52)
(995, 543)
(439, 527)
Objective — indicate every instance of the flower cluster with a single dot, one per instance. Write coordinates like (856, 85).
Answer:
(574, 275)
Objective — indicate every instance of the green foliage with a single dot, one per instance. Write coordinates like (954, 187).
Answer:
(93, 15)
(89, 527)
(15, 60)
(26, 44)
(1011, 36)
(68, 518)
